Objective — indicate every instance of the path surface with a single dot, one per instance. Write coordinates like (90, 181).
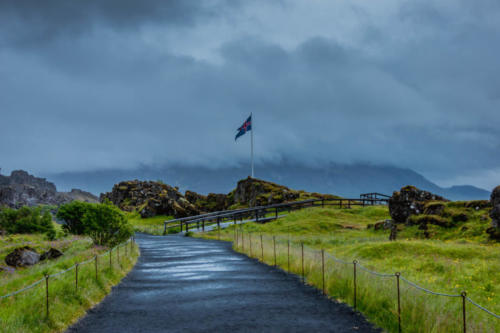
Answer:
(184, 284)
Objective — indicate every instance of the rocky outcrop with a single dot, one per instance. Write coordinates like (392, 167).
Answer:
(410, 201)
(22, 257)
(22, 189)
(494, 230)
(213, 202)
(150, 199)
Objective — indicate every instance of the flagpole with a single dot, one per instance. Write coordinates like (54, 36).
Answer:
(251, 147)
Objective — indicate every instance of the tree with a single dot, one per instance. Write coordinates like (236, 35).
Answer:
(72, 214)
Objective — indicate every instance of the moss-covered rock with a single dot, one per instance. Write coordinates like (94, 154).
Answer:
(412, 201)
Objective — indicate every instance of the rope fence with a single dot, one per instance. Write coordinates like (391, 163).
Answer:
(351, 282)
(75, 267)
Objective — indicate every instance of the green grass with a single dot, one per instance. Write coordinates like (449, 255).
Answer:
(26, 312)
(151, 225)
(454, 260)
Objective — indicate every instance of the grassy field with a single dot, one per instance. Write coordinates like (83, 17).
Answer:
(152, 225)
(26, 312)
(455, 259)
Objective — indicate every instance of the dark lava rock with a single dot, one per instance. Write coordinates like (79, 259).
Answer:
(22, 257)
(410, 201)
(51, 254)
(213, 202)
(150, 199)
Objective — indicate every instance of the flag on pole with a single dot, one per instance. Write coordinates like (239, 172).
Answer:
(247, 126)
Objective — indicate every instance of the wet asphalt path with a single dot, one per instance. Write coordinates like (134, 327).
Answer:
(184, 284)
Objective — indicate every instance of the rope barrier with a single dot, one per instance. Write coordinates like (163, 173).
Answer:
(375, 273)
(482, 308)
(427, 290)
(24, 289)
(61, 272)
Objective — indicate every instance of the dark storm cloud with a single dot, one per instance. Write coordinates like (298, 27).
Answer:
(154, 82)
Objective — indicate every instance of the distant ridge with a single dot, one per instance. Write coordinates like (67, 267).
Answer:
(338, 179)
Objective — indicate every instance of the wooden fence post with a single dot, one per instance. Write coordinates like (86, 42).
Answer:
(76, 277)
(398, 274)
(302, 248)
(464, 315)
(47, 295)
(274, 249)
(355, 262)
(323, 269)
(262, 247)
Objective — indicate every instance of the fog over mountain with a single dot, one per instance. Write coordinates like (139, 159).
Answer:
(97, 85)
(344, 180)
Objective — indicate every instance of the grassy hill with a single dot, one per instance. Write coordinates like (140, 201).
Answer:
(458, 256)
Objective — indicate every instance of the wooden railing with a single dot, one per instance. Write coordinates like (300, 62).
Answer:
(265, 213)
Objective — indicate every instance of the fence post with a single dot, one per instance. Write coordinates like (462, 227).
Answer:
(355, 262)
(274, 249)
(164, 228)
(323, 269)
(302, 248)
(398, 274)
(288, 255)
(181, 226)
(47, 295)
(242, 240)
(250, 241)
(76, 277)
(262, 247)
(276, 215)
(322, 203)
(95, 267)
(464, 295)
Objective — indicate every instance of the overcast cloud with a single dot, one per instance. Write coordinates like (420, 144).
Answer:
(87, 85)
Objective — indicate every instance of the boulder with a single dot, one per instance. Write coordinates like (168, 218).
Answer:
(51, 254)
(22, 257)
(410, 201)
(494, 230)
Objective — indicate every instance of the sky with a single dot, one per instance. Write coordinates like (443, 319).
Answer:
(94, 85)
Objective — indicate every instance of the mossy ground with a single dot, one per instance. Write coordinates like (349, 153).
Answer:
(25, 312)
(457, 258)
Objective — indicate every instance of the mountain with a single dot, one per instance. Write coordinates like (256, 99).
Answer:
(21, 188)
(338, 179)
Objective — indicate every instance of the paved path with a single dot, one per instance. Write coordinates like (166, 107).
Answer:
(184, 284)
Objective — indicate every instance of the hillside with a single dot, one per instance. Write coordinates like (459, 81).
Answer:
(22, 189)
(343, 180)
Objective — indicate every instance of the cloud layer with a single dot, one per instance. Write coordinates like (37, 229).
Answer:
(92, 85)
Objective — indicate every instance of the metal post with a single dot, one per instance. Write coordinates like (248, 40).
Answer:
(181, 226)
(274, 249)
(354, 262)
(262, 247)
(398, 274)
(303, 276)
(95, 267)
(164, 228)
(323, 269)
(464, 295)
(76, 277)
(276, 214)
(257, 215)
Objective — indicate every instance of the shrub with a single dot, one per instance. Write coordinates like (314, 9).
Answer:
(106, 224)
(72, 214)
(27, 220)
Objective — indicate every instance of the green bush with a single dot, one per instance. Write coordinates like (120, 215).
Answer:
(106, 224)
(26, 220)
(72, 214)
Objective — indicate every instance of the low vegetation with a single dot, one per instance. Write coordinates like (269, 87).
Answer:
(452, 256)
(91, 231)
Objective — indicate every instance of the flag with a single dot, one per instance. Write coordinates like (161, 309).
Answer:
(247, 126)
